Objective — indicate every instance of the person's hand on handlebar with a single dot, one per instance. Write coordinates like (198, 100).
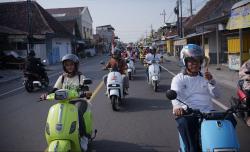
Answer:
(43, 96)
(179, 112)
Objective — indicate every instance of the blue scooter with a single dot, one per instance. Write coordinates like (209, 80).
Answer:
(216, 134)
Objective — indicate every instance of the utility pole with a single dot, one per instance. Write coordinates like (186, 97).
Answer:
(191, 8)
(176, 11)
(29, 37)
(181, 19)
(152, 32)
(164, 16)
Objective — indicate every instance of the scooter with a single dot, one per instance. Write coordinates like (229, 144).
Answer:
(242, 100)
(216, 133)
(131, 68)
(62, 125)
(154, 74)
(33, 80)
(115, 89)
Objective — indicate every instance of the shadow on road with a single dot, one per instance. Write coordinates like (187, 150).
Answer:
(142, 104)
(108, 145)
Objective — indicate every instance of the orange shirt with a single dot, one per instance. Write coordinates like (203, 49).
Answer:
(122, 65)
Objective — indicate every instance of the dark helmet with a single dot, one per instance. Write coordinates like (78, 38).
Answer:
(73, 58)
(116, 54)
(32, 53)
(190, 52)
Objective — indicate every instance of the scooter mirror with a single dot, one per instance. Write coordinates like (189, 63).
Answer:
(87, 81)
(171, 94)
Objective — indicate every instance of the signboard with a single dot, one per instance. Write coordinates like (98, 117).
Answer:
(234, 61)
(240, 17)
(180, 42)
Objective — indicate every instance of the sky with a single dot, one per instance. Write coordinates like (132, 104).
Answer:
(132, 19)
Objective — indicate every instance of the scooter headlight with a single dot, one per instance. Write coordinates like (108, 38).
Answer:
(47, 128)
(72, 127)
(225, 150)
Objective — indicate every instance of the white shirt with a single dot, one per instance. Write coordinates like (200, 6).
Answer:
(195, 91)
(149, 57)
(69, 83)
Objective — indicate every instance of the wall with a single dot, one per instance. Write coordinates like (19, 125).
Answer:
(87, 22)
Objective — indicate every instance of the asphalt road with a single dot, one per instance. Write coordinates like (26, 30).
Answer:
(145, 122)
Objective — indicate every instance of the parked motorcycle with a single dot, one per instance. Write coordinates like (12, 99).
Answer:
(131, 68)
(115, 89)
(62, 125)
(154, 74)
(216, 133)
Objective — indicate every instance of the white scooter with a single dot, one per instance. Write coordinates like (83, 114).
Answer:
(131, 68)
(115, 89)
(154, 74)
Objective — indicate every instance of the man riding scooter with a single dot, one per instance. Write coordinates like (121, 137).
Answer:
(152, 55)
(116, 62)
(196, 90)
(34, 66)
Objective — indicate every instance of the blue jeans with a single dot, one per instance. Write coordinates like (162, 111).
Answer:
(189, 127)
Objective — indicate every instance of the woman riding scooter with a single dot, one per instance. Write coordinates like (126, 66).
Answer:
(117, 62)
(72, 79)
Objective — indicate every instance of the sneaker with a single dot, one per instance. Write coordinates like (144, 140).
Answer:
(84, 143)
(248, 121)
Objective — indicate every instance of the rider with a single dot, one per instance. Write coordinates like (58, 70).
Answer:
(117, 62)
(34, 65)
(196, 90)
(130, 53)
(244, 83)
(72, 78)
(152, 55)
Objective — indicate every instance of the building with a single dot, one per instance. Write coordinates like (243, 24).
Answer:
(106, 33)
(207, 29)
(49, 39)
(239, 42)
(80, 15)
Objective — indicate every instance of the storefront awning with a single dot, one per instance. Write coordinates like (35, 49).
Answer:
(240, 16)
(180, 42)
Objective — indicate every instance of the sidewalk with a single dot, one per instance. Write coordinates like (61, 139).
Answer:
(223, 76)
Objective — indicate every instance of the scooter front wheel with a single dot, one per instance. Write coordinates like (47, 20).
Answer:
(130, 76)
(115, 103)
(46, 81)
(155, 85)
(28, 86)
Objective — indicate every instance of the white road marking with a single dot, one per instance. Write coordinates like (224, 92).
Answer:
(214, 100)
